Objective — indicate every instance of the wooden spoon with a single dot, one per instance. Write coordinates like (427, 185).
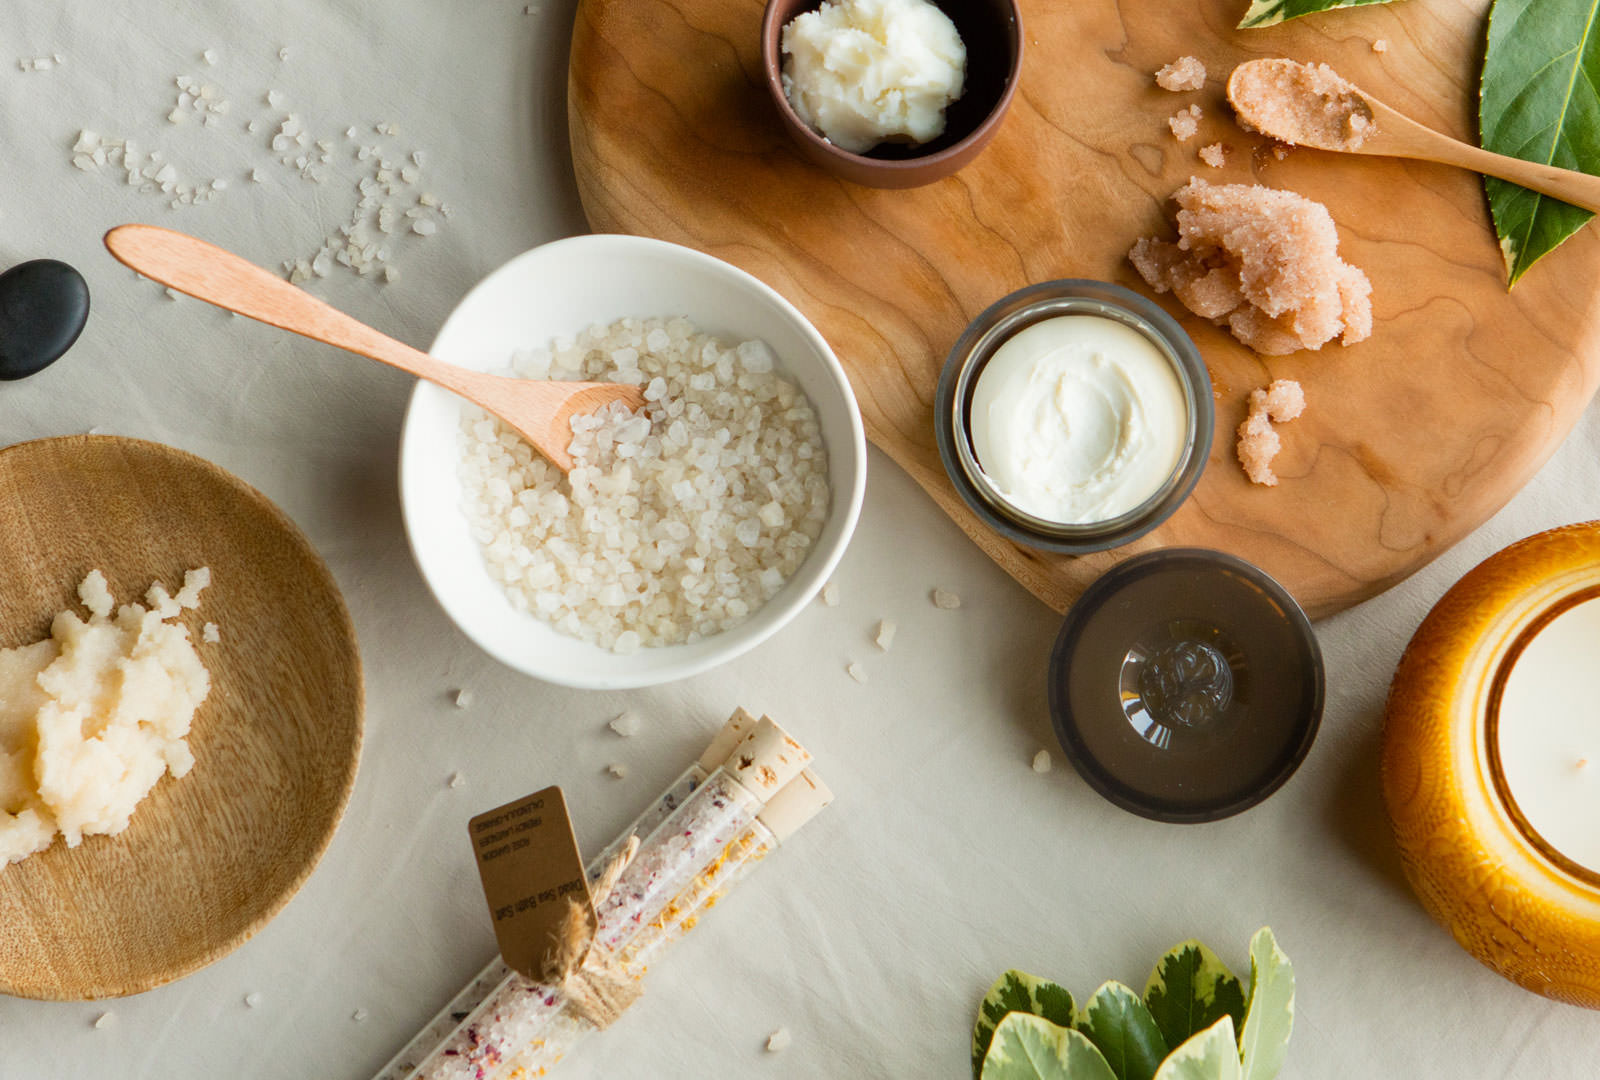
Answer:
(1382, 131)
(539, 409)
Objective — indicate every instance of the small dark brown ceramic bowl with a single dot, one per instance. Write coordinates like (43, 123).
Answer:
(992, 33)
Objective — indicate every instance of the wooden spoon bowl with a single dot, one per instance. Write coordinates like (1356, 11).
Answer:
(209, 859)
(1393, 134)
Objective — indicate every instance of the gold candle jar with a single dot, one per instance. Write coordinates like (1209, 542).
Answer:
(1480, 869)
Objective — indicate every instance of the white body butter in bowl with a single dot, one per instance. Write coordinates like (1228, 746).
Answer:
(560, 289)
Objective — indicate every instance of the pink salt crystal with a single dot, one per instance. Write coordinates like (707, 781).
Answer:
(1185, 123)
(1183, 74)
(1279, 402)
(1214, 155)
(1380, 46)
(1262, 261)
(1355, 297)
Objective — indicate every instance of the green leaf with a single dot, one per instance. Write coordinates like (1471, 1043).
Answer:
(1210, 1055)
(1117, 1022)
(1540, 101)
(1272, 12)
(1269, 1018)
(1028, 1047)
(1017, 991)
(1190, 990)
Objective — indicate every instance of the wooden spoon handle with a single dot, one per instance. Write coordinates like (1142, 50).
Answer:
(1570, 186)
(220, 277)
(1413, 140)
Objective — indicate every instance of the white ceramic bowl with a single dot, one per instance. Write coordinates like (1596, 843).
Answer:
(560, 288)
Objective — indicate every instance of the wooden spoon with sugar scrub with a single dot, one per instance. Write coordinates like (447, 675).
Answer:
(540, 410)
(1311, 105)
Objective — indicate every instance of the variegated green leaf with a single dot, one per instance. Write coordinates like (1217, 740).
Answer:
(1213, 1054)
(1017, 991)
(1269, 1017)
(1191, 989)
(1272, 12)
(1540, 101)
(1028, 1047)
(1117, 1022)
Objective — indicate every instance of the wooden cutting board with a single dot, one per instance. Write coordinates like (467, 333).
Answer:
(1410, 440)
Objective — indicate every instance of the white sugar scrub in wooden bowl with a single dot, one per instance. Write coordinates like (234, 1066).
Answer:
(687, 533)
(93, 716)
(193, 742)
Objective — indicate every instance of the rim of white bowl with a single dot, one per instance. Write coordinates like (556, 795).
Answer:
(742, 638)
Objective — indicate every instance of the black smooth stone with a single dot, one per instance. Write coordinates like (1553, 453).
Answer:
(43, 306)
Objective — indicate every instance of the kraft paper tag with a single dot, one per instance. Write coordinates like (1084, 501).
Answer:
(530, 864)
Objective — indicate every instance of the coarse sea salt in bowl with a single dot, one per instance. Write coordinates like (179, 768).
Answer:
(558, 290)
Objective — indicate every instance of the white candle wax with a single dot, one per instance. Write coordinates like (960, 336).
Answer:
(1549, 733)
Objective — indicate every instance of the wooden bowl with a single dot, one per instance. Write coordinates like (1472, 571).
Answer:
(992, 33)
(210, 858)
(1477, 867)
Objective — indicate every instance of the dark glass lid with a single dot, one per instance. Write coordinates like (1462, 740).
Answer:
(1186, 685)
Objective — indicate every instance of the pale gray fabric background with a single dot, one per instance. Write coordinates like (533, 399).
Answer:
(945, 859)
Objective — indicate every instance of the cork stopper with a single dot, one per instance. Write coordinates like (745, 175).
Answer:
(737, 727)
(766, 759)
(796, 803)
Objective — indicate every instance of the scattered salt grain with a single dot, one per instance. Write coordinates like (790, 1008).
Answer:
(1279, 402)
(463, 698)
(283, 55)
(945, 600)
(886, 632)
(1184, 74)
(424, 227)
(173, 294)
(1380, 46)
(1185, 123)
(857, 672)
(456, 780)
(252, 999)
(779, 1041)
(627, 724)
(194, 582)
(105, 1019)
(830, 595)
(1214, 155)
(618, 772)
(210, 634)
(1041, 761)
(209, 56)
(359, 1015)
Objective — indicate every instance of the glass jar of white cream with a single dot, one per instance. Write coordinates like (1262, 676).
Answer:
(1074, 416)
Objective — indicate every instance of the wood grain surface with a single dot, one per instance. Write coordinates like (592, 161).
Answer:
(1410, 440)
(210, 858)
